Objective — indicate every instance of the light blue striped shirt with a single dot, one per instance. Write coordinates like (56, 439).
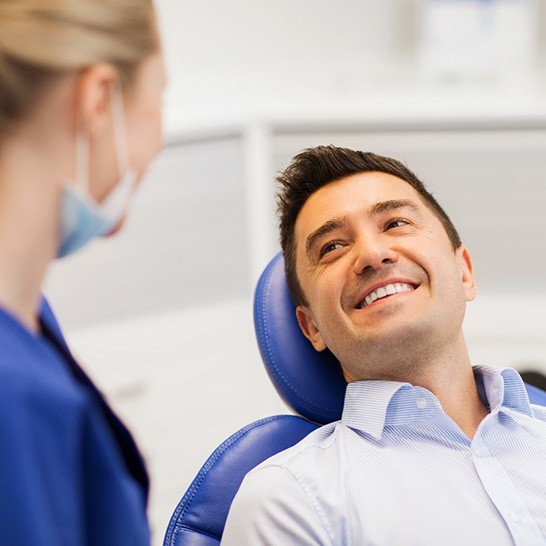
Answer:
(396, 470)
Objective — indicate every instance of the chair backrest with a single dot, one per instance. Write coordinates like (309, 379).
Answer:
(290, 360)
(200, 516)
(536, 395)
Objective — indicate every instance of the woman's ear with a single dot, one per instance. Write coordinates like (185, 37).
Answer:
(467, 272)
(309, 327)
(93, 97)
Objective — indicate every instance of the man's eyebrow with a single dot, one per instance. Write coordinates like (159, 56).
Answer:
(337, 223)
(393, 204)
(326, 228)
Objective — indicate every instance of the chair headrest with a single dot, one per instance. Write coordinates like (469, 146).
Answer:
(310, 382)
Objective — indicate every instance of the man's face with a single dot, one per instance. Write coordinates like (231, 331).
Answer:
(384, 286)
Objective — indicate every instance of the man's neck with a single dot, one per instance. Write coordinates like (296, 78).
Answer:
(460, 399)
(450, 377)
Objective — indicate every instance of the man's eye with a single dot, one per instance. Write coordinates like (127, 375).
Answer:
(396, 223)
(329, 247)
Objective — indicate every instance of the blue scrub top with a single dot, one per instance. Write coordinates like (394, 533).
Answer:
(70, 472)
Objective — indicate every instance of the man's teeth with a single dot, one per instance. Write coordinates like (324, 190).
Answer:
(384, 291)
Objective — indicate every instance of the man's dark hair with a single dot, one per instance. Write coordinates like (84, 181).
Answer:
(316, 167)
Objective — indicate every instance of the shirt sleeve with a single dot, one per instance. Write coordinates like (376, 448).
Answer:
(272, 508)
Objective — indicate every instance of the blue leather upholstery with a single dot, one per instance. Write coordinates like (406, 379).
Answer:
(200, 516)
(536, 396)
(311, 383)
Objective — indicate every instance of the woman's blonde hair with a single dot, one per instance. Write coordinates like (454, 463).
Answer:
(41, 40)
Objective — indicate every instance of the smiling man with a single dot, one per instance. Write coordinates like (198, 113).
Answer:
(429, 450)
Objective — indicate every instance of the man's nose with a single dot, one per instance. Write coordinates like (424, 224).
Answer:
(372, 254)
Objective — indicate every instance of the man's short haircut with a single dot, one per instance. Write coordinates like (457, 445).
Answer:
(316, 167)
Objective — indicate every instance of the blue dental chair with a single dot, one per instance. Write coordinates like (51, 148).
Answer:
(290, 360)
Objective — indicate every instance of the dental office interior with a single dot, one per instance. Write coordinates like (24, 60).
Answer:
(454, 88)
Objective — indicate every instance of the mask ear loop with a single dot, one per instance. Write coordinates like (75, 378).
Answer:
(120, 129)
(82, 162)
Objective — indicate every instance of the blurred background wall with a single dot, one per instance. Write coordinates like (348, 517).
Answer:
(161, 315)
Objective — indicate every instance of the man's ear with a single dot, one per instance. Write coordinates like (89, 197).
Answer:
(309, 327)
(93, 97)
(467, 272)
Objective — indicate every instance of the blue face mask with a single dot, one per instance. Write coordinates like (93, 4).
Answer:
(82, 219)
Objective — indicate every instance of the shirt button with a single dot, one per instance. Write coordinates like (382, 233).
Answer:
(479, 452)
(422, 403)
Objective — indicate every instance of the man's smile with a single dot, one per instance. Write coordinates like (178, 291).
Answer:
(384, 290)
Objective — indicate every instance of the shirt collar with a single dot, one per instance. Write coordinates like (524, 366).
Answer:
(371, 405)
(502, 387)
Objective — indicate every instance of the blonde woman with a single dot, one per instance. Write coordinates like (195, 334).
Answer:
(80, 87)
